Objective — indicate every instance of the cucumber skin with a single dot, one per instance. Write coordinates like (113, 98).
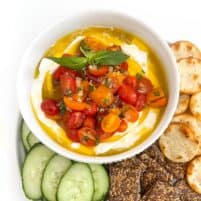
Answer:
(42, 198)
(29, 140)
(24, 138)
(74, 162)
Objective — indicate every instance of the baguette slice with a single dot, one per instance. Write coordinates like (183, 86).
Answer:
(178, 143)
(183, 49)
(190, 75)
(193, 174)
(195, 105)
(183, 104)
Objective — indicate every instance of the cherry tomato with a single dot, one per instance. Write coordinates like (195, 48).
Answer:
(124, 65)
(114, 48)
(95, 43)
(89, 122)
(92, 109)
(114, 85)
(110, 123)
(75, 119)
(155, 94)
(131, 114)
(68, 84)
(127, 94)
(75, 105)
(159, 102)
(87, 136)
(141, 102)
(131, 81)
(123, 126)
(61, 70)
(73, 135)
(144, 86)
(50, 107)
(99, 71)
(103, 135)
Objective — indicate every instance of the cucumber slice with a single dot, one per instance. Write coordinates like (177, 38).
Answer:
(101, 182)
(52, 175)
(24, 134)
(32, 170)
(76, 184)
(32, 140)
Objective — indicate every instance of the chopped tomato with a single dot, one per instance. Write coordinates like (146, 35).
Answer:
(91, 109)
(159, 103)
(141, 102)
(61, 70)
(103, 135)
(123, 126)
(99, 71)
(110, 123)
(144, 86)
(87, 136)
(131, 114)
(127, 94)
(124, 65)
(131, 81)
(102, 96)
(68, 84)
(95, 43)
(50, 107)
(155, 94)
(89, 122)
(75, 105)
(75, 119)
(115, 111)
(73, 135)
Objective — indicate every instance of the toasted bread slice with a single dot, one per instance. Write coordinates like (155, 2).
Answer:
(178, 143)
(193, 174)
(183, 49)
(183, 104)
(195, 105)
(190, 75)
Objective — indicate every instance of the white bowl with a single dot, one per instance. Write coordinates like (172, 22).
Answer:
(77, 21)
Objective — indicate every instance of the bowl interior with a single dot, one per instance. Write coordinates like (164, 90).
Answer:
(98, 18)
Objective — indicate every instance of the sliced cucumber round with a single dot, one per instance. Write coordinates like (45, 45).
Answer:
(101, 182)
(33, 167)
(76, 184)
(52, 174)
(24, 134)
(32, 140)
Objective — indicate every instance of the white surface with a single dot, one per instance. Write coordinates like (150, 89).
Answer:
(22, 20)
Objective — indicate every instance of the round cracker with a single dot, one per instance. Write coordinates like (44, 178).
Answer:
(183, 49)
(195, 105)
(190, 75)
(193, 174)
(182, 104)
(178, 143)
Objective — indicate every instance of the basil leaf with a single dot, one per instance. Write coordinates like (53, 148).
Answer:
(73, 62)
(107, 57)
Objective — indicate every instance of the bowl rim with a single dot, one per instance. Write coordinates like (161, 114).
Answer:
(125, 154)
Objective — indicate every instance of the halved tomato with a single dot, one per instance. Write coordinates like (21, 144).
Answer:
(130, 113)
(50, 107)
(131, 81)
(75, 119)
(68, 84)
(75, 105)
(141, 102)
(144, 86)
(87, 136)
(91, 109)
(103, 135)
(73, 135)
(123, 126)
(89, 122)
(99, 71)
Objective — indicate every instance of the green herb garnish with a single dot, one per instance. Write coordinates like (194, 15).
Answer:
(91, 88)
(85, 138)
(106, 100)
(143, 71)
(68, 92)
(121, 115)
(62, 107)
(139, 76)
(156, 93)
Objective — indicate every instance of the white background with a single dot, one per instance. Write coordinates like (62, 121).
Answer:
(22, 20)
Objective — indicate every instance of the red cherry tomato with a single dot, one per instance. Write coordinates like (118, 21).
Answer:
(61, 70)
(67, 83)
(141, 102)
(87, 136)
(127, 94)
(92, 109)
(73, 135)
(144, 86)
(123, 126)
(75, 119)
(124, 65)
(89, 122)
(131, 81)
(50, 107)
(103, 135)
(99, 71)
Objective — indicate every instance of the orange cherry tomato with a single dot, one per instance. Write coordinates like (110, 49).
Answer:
(155, 94)
(103, 135)
(99, 71)
(123, 126)
(75, 105)
(102, 96)
(110, 123)
(95, 43)
(131, 114)
(67, 83)
(159, 103)
(87, 136)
